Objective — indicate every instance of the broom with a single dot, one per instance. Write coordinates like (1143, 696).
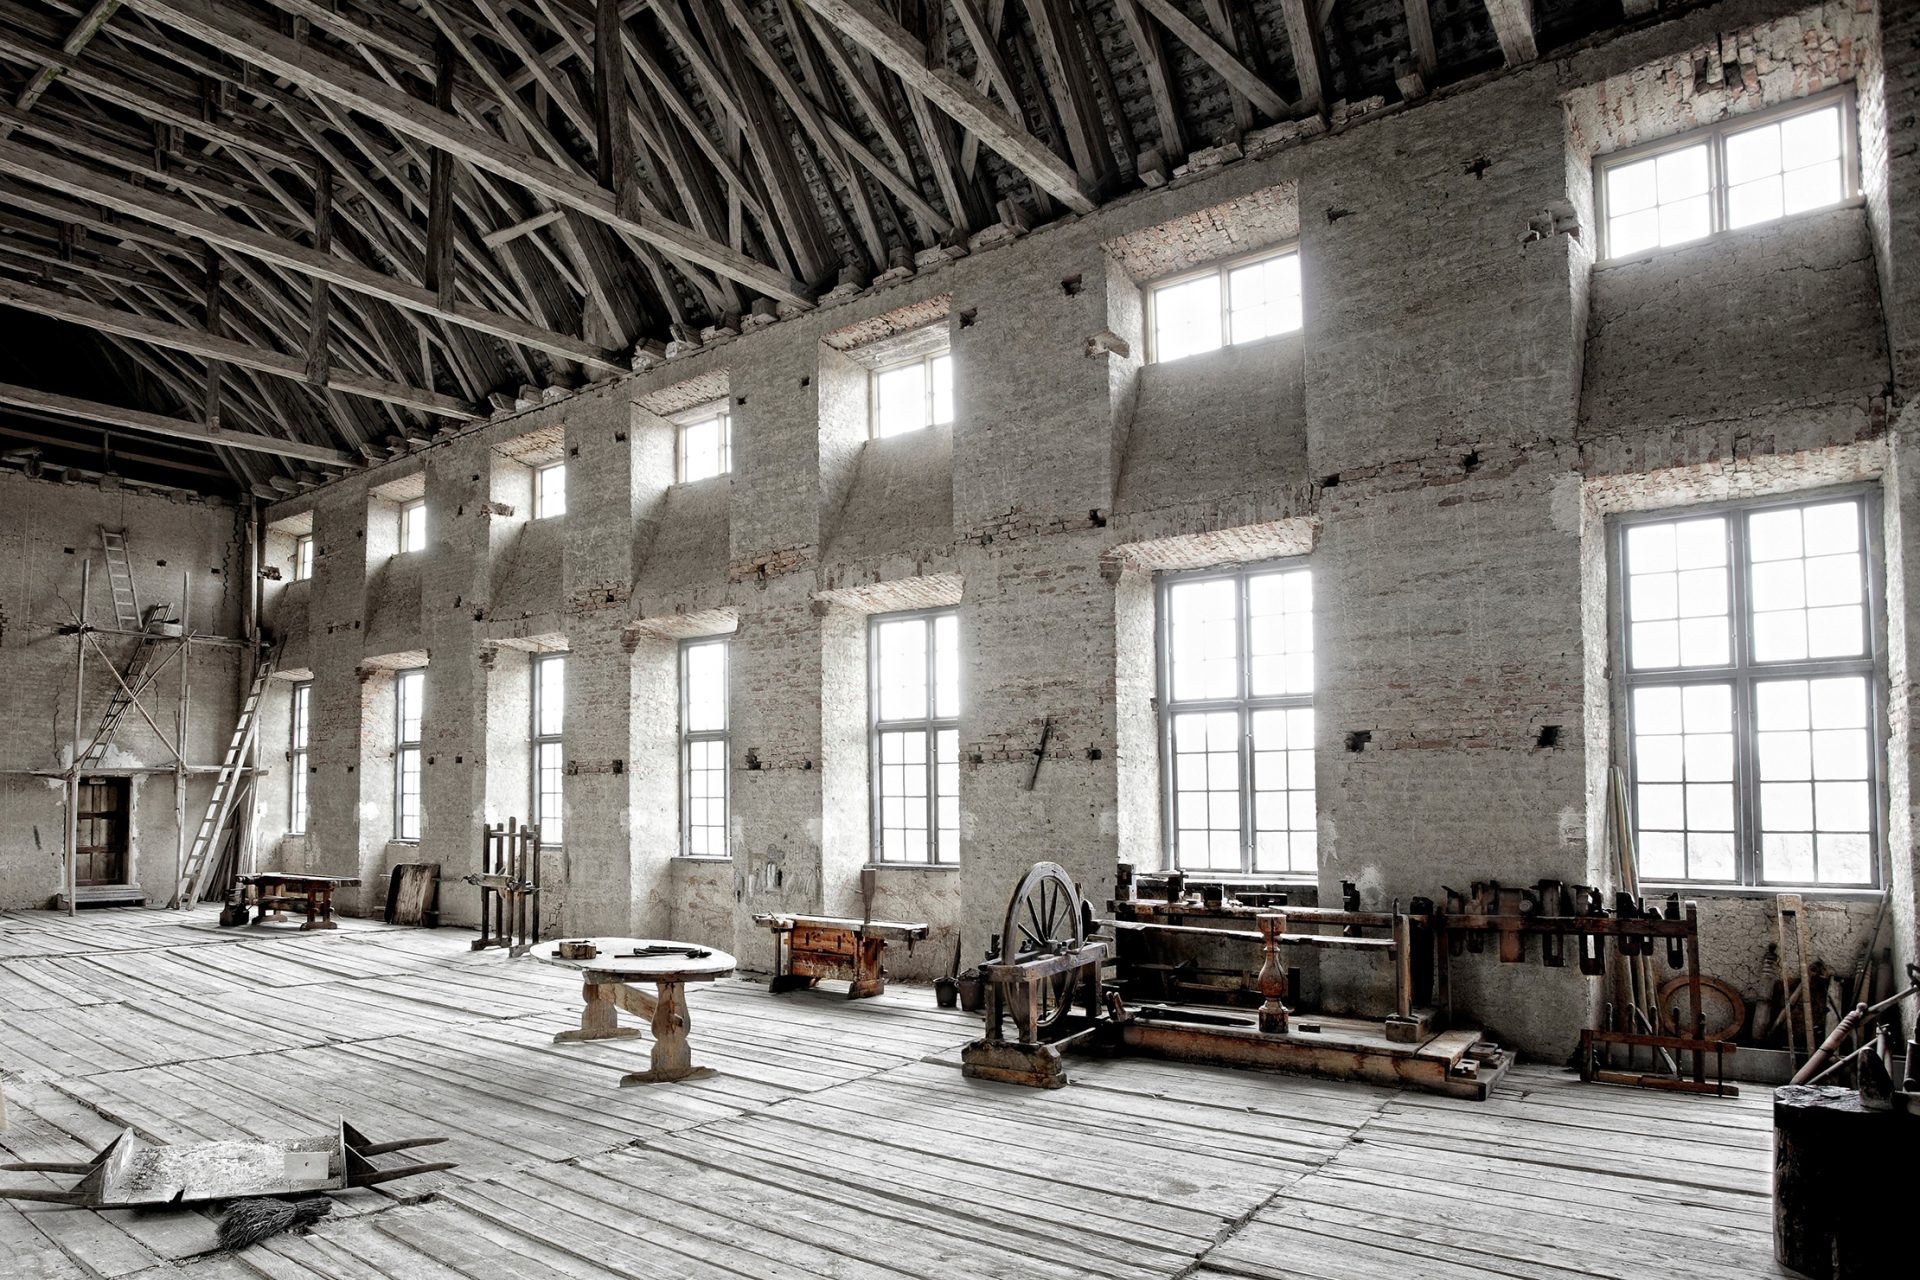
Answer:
(248, 1222)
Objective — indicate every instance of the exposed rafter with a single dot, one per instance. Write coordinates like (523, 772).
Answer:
(161, 425)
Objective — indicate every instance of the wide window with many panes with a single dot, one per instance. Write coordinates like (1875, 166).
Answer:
(301, 722)
(704, 442)
(1736, 174)
(549, 752)
(1224, 305)
(703, 748)
(1236, 689)
(914, 663)
(409, 704)
(912, 394)
(1748, 645)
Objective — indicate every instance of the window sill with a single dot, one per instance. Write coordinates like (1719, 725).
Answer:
(1816, 893)
(701, 857)
(911, 866)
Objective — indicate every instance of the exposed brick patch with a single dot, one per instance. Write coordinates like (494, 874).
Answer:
(1018, 523)
(769, 565)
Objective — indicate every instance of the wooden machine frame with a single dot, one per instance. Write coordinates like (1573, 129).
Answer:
(1047, 980)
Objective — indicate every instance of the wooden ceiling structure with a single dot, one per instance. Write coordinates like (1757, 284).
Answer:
(287, 237)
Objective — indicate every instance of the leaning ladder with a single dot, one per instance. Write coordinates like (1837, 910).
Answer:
(227, 788)
(138, 675)
(126, 603)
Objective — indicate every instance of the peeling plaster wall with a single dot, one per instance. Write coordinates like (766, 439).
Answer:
(1467, 402)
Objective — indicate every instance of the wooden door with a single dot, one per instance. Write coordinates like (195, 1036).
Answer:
(102, 845)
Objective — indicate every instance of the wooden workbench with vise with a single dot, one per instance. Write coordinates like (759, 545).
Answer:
(809, 948)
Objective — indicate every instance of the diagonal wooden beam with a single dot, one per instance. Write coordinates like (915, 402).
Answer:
(83, 34)
(174, 215)
(1216, 55)
(160, 425)
(1513, 25)
(319, 74)
(874, 30)
(1309, 45)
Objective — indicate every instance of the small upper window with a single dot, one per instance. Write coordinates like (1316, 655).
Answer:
(909, 396)
(705, 442)
(550, 490)
(413, 525)
(303, 557)
(1735, 174)
(1227, 304)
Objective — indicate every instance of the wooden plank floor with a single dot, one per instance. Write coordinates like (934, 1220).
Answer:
(838, 1138)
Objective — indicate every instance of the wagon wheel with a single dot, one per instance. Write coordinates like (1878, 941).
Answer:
(1044, 918)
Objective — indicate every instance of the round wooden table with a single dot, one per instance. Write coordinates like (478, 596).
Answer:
(609, 979)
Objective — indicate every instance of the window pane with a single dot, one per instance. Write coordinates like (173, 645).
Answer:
(1677, 594)
(1661, 200)
(1264, 297)
(942, 372)
(946, 665)
(549, 769)
(705, 668)
(903, 795)
(1280, 625)
(947, 794)
(1204, 625)
(902, 650)
(1186, 318)
(1684, 796)
(411, 686)
(705, 447)
(706, 795)
(550, 695)
(550, 491)
(900, 399)
(1283, 794)
(1206, 798)
(1809, 582)
(302, 559)
(1816, 781)
(413, 526)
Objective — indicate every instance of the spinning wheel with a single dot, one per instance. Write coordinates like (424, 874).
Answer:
(1044, 918)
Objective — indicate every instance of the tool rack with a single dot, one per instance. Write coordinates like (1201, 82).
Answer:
(1555, 913)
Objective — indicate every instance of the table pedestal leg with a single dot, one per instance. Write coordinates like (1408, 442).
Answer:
(672, 1058)
(600, 1020)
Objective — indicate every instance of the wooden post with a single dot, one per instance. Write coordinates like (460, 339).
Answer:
(180, 739)
(70, 872)
(1273, 975)
(439, 273)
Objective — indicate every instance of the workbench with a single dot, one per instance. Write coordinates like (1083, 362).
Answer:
(809, 948)
(609, 979)
(275, 891)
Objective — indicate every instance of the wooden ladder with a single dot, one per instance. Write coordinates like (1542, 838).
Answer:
(126, 603)
(203, 857)
(138, 675)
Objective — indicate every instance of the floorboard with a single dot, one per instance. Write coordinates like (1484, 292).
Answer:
(838, 1139)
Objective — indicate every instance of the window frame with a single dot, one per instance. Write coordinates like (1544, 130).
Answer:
(1223, 268)
(928, 398)
(721, 409)
(536, 740)
(687, 739)
(1244, 704)
(1742, 674)
(540, 511)
(932, 724)
(302, 557)
(1715, 137)
(299, 751)
(406, 510)
(403, 749)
